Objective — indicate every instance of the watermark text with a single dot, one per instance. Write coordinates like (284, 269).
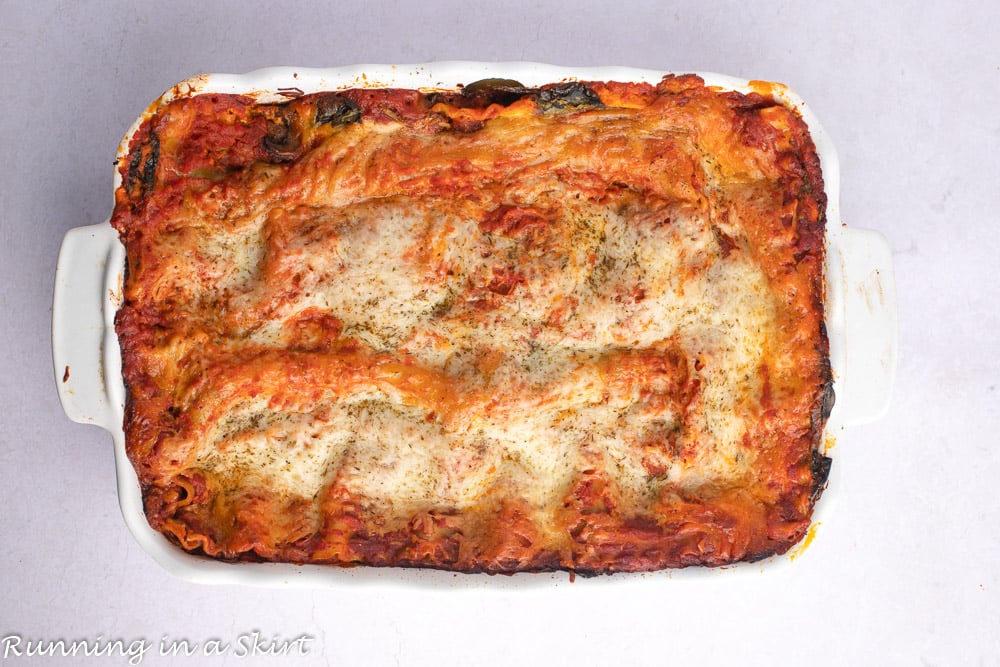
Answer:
(249, 644)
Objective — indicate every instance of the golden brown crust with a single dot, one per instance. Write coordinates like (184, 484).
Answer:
(505, 299)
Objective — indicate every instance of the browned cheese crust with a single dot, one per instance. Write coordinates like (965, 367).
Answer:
(494, 329)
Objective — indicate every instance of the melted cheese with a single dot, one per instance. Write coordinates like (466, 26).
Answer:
(553, 410)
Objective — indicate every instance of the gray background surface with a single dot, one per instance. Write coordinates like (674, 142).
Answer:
(905, 572)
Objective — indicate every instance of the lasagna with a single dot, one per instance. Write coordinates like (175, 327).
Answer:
(493, 329)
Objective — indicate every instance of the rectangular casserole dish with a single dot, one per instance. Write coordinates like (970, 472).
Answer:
(87, 363)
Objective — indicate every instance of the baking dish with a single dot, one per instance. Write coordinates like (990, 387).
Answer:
(860, 310)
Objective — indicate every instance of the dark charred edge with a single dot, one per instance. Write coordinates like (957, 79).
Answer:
(813, 170)
(483, 93)
(764, 554)
(827, 402)
(149, 168)
(333, 109)
(569, 96)
(811, 232)
(133, 170)
(129, 409)
(282, 141)
(826, 397)
(822, 410)
(821, 465)
(142, 167)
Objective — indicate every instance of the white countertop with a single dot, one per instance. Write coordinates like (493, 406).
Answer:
(903, 572)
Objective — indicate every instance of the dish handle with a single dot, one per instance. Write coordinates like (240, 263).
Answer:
(84, 345)
(868, 312)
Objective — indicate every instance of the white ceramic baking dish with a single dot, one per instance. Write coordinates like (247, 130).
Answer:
(860, 319)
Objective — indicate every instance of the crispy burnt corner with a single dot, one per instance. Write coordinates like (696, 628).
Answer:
(140, 176)
(823, 408)
(821, 465)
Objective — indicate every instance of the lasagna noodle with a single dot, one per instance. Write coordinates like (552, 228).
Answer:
(501, 329)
